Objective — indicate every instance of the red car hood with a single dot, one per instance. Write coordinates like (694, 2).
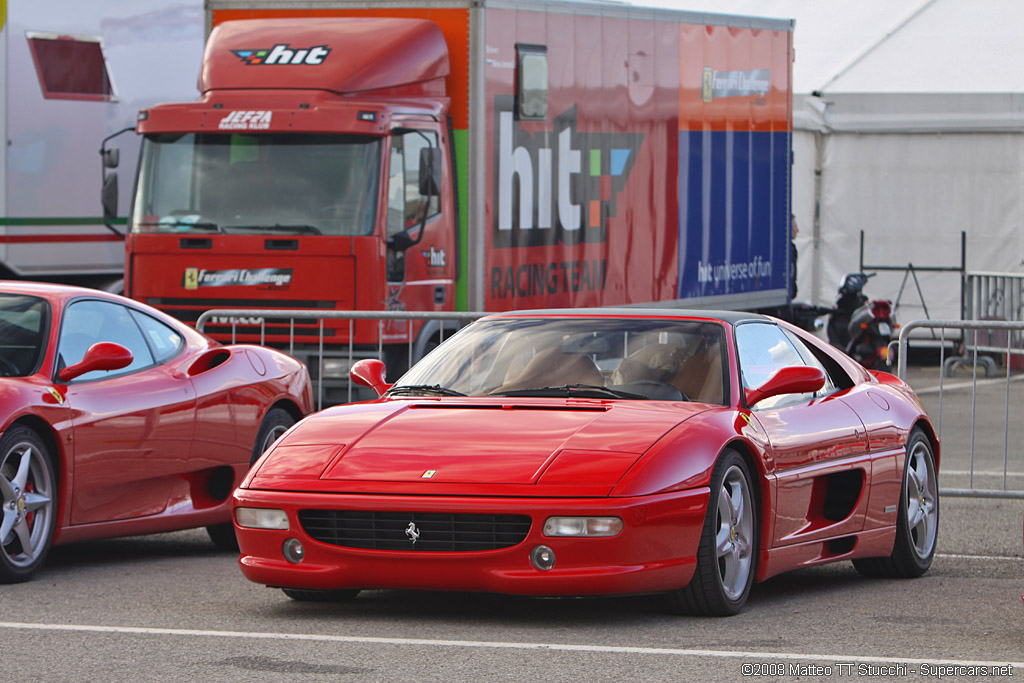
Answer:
(450, 441)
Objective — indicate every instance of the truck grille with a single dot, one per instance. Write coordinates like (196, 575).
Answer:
(438, 532)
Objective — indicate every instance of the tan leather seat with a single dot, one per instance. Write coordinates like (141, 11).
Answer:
(695, 370)
(551, 368)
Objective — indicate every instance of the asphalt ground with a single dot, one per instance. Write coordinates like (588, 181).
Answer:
(171, 607)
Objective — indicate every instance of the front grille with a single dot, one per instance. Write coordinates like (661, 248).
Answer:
(438, 532)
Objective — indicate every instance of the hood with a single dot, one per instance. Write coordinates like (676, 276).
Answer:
(448, 441)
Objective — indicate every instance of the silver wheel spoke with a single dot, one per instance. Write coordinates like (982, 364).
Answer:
(22, 476)
(36, 501)
(914, 513)
(7, 495)
(24, 535)
(736, 503)
(7, 524)
(723, 543)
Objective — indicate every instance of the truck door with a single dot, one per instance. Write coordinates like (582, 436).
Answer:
(421, 276)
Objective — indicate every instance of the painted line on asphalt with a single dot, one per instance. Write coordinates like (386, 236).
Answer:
(556, 647)
(996, 558)
(980, 473)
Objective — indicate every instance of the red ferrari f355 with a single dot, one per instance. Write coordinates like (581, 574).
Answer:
(584, 452)
(118, 420)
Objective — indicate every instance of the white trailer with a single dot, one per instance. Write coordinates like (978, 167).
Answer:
(72, 73)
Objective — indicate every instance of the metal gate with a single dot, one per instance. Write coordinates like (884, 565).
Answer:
(329, 364)
(974, 418)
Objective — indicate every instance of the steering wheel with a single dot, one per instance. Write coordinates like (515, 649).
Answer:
(655, 390)
(8, 368)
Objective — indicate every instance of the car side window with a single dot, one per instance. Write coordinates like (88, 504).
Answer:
(811, 358)
(87, 322)
(763, 350)
(164, 340)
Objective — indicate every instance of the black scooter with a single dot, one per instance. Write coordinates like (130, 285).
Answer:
(860, 326)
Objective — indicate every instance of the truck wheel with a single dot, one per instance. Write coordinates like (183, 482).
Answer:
(28, 489)
(727, 553)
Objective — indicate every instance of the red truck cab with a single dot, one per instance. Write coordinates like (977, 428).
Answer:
(302, 178)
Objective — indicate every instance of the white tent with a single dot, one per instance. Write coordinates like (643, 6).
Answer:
(908, 119)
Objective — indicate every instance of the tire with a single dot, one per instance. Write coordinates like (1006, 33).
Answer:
(917, 523)
(727, 553)
(223, 536)
(28, 487)
(317, 595)
(275, 423)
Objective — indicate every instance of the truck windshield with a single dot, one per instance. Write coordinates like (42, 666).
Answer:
(267, 184)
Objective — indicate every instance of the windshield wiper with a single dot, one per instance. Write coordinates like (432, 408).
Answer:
(204, 226)
(292, 229)
(423, 389)
(570, 390)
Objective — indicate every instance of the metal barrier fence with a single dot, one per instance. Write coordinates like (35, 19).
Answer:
(246, 316)
(978, 336)
(994, 296)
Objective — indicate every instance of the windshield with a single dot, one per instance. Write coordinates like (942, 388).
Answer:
(628, 358)
(266, 184)
(23, 325)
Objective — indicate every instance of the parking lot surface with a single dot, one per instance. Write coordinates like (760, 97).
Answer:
(171, 607)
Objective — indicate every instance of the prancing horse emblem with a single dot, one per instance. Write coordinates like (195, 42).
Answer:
(412, 532)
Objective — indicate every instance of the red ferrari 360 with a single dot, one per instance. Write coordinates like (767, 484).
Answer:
(118, 420)
(585, 452)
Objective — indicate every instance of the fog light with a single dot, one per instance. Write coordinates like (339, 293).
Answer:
(293, 550)
(261, 518)
(582, 526)
(543, 557)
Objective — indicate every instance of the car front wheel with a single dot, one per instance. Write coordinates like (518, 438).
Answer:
(727, 553)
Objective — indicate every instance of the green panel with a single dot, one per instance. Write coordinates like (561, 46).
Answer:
(461, 142)
(595, 162)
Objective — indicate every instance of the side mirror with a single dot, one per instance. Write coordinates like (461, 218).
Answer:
(430, 171)
(369, 372)
(796, 379)
(108, 197)
(100, 356)
(111, 157)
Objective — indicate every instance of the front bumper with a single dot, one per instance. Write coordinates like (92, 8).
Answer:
(655, 551)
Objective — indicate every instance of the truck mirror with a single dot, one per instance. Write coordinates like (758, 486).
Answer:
(430, 172)
(111, 157)
(108, 197)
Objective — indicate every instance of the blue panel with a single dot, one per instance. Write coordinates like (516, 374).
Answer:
(733, 213)
(619, 159)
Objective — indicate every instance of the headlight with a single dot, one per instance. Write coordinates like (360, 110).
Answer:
(582, 526)
(261, 518)
(337, 368)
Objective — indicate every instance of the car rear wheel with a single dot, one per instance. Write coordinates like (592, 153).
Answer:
(28, 491)
(276, 423)
(727, 553)
(315, 595)
(917, 524)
